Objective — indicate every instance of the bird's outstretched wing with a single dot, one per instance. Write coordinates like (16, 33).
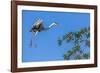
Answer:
(53, 24)
(39, 21)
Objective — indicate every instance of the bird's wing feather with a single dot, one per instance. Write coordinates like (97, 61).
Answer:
(37, 22)
(53, 24)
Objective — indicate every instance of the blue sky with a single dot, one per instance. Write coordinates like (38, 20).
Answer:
(47, 47)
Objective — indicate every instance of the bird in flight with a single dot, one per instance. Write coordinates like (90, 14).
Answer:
(38, 27)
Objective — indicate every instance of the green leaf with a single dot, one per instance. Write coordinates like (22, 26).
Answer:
(79, 35)
(77, 47)
(81, 51)
(65, 37)
(86, 55)
(70, 52)
(78, 38)
(68, 37)
(82, 31)
(59, 42)
(66, 57)
(87, 43)
(78, 57)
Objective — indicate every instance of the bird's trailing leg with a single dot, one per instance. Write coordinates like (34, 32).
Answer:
(31, 42)
(36, 33)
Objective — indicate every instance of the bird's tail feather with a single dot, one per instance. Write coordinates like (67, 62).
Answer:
(31, 43)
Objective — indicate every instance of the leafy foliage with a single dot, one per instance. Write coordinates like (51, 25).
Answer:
(59, 42)
(78, 39)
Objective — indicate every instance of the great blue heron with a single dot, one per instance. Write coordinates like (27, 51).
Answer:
(38, 27)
